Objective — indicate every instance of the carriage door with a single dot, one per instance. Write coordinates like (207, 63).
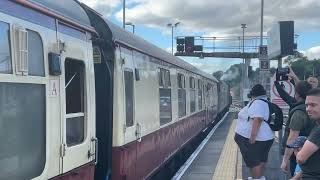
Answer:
(207, 102)
(77, 135)
(130, 124)
(128, 92)
(77, 100)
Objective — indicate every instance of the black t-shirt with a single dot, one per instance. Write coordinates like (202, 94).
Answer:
(311, 168)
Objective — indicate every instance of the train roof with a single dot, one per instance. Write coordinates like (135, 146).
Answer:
(124, 37)
(69, 9)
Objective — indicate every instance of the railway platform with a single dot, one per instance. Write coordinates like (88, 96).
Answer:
(218, 157)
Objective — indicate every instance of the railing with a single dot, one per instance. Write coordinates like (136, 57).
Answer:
(228, 44)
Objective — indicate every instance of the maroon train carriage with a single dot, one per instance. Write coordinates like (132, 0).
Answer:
(160, 102)
(96, 101)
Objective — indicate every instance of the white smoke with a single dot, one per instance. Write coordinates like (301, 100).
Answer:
(230, 74)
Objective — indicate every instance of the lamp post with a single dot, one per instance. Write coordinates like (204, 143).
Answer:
(172, 26)
(131, 24)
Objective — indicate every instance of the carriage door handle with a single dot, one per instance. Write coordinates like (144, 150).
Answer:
(95, 154)
(138, 132)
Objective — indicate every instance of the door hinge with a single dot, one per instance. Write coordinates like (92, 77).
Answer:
(62, 150)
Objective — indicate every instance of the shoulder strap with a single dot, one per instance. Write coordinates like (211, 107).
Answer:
(258, 99)
(251, 104)
(296, 108)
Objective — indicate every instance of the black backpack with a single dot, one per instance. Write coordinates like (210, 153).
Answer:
(275, 120)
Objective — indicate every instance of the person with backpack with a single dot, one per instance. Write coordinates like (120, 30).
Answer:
(298, 124)
(254, 136)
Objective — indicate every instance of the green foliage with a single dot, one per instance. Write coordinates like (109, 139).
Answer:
(303, 68)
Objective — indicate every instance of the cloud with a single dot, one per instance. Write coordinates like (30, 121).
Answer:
(104, 7)
(313, 53)
(210, 65)
(230, 74)
(223, 17)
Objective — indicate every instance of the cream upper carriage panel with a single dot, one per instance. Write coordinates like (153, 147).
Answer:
(161, 58)
(146, 93)
(47, 37)
(185, 89)
(174, 94)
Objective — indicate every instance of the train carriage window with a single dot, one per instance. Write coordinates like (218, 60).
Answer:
(22, 130)
(181, 95)
(200, 94)
(128, 78)
(165, 96)
(75, 100)
(192, 94)
(35, 54)
(5, 56)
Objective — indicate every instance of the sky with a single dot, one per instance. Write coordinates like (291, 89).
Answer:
(214, 18)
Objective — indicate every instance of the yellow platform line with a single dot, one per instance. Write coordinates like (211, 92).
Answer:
(239, 165)
(227, 167)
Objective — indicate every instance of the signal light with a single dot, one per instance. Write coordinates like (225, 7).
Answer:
(250, 72)
(180, 48)
(189, 44)
(198, 48)
(180, 41)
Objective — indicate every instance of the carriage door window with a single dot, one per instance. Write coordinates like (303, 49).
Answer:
(200, 94)
(128, 79)
(75, 100)
(165, 96)
(5, 57)
(181, 95)
(192, 94)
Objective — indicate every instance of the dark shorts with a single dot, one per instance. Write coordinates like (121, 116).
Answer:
(253, 154)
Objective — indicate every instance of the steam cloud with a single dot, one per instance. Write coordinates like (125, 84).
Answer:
(230, 74)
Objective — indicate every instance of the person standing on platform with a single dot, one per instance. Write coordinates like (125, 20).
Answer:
(298, 124)
(253, 135)
(313, 81)
(309, 155)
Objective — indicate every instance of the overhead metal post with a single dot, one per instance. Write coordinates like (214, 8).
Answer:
(131, 24)
(243, 86)
(124, 14)
(261, 27)
(264, 74)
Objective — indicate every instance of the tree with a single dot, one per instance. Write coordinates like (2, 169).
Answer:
(304, 68)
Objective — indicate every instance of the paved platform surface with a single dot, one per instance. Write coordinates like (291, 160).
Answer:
(220, 158)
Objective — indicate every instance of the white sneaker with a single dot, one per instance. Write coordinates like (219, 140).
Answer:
(249, 178)
(261, 178)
